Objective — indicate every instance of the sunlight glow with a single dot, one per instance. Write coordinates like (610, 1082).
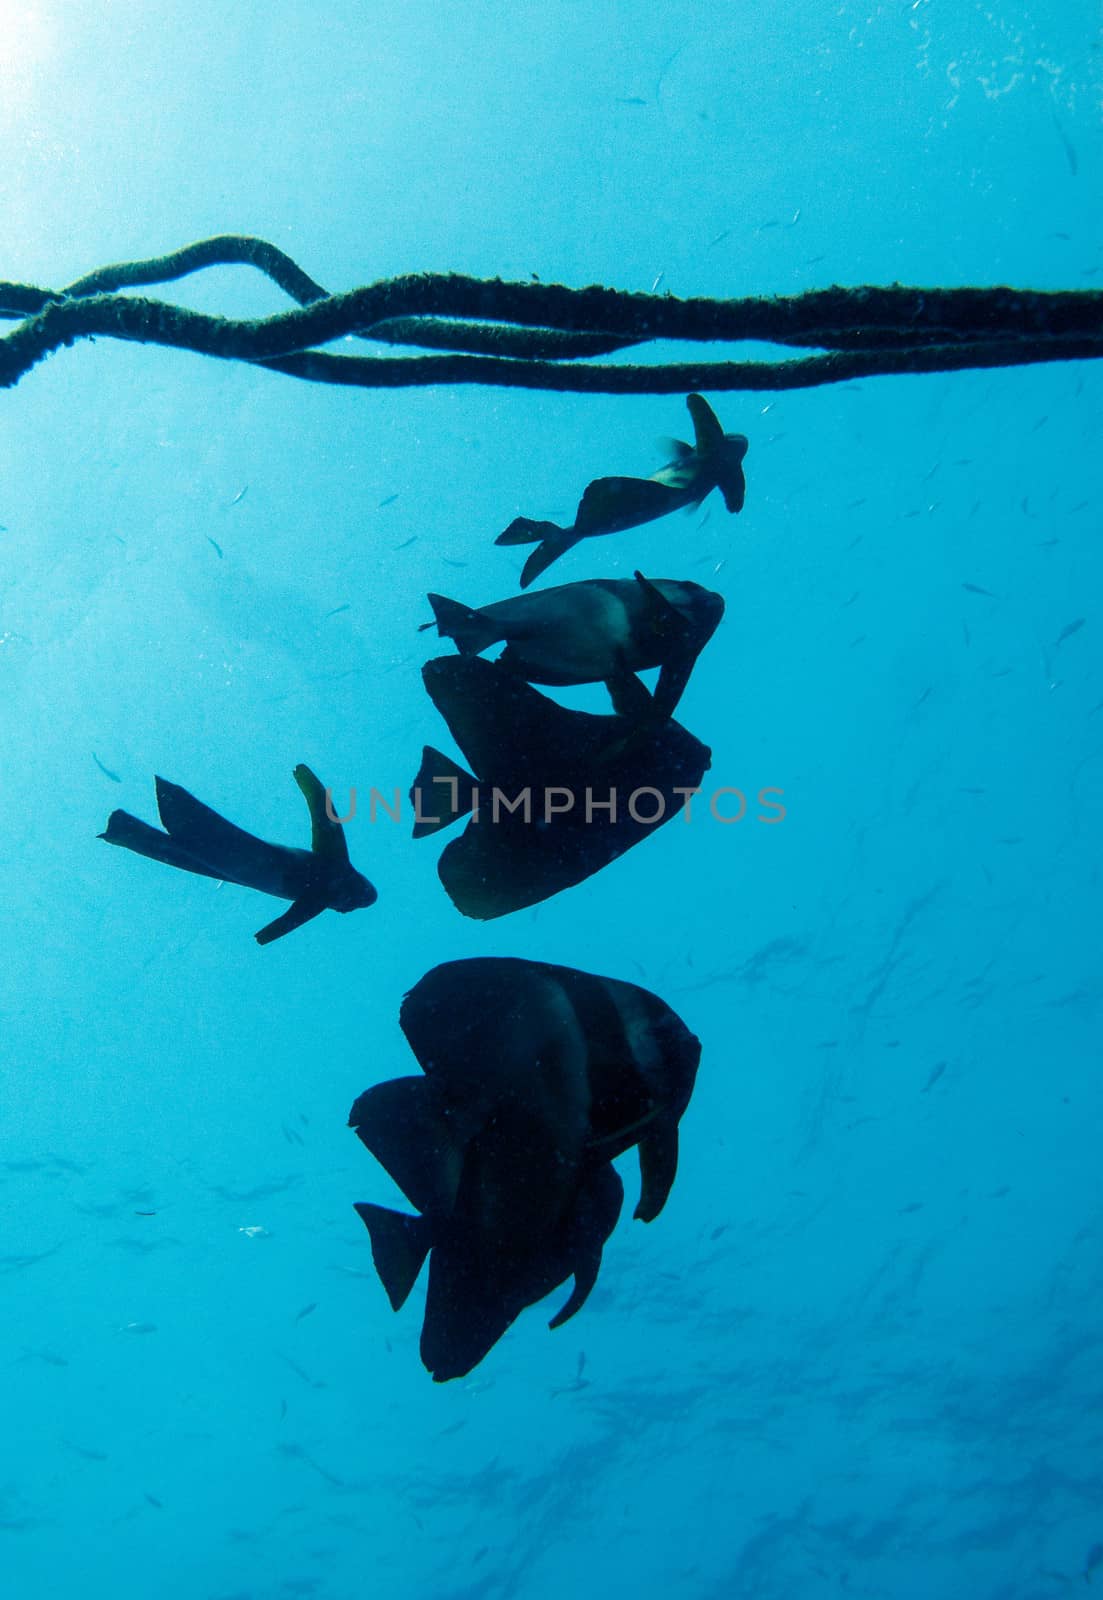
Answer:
(26, 42)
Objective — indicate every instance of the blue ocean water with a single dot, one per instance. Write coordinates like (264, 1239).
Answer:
(858, 1352)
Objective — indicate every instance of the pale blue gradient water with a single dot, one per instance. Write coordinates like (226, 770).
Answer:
(858, 1353)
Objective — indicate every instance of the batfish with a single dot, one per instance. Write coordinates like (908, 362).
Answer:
(598, 631)
(536, 1078)
(197, 839)
(713, 461)
(556, 794)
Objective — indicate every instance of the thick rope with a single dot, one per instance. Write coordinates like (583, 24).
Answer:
(521, 335)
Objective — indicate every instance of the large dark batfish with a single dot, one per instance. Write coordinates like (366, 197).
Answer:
(713, 461)
(518, 741)
(536, 1078)
(600, 631)
(197, 839)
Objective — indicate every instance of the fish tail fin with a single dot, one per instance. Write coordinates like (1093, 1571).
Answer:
(725, 451)
(730, 480)
(441, 792)
(550, 539)
(708, 435)
(399, 1245)
(134, 834)
(523, 530)
(469, 629)
(555, 544)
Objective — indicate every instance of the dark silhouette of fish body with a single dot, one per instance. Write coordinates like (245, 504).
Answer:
(536, 1078)
(602, 630)
(608, 505)
(519, 742)
(197, 839)
(471, 1300)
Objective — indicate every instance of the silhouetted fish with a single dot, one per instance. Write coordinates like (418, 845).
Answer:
(559, 770)
(197, 839)
(537, 1077)
(114, 776)
(600, 631)
(713, 461)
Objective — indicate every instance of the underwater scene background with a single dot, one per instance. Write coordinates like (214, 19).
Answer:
(858, 1352)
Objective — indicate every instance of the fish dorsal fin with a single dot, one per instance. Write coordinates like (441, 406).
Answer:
(708, 434)
(400, 1123)
(664, 617)
(196, 827)
(505, 728)
(327, 837)
(674, 451)
(221, 849)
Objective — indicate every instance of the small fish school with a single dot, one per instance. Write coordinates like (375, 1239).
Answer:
(505, 1215)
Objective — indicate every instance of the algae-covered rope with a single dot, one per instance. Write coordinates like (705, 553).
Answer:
(527, 335)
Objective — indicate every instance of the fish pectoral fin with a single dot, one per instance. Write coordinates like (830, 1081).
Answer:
(303, 910)
(440, 793)
(665, 619)
(707, 432)
(595, 1216)
(587, 1265)
(585, 1276)
(631, 698)
(398, 1121)
(399, 1245)
(658, 1149)
(673, 677)
(327, 837)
